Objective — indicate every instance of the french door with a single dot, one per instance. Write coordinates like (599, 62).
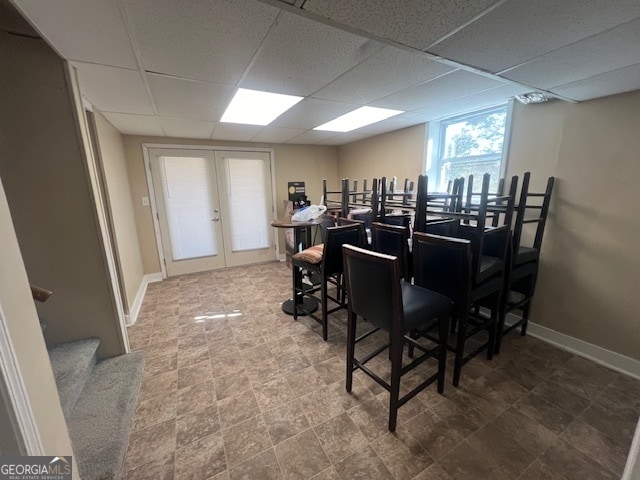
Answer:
(213, 208)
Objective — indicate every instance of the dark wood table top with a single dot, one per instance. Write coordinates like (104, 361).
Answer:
(286, 222)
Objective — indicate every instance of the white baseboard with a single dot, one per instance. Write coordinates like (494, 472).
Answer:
(137, 302)
(602, 356)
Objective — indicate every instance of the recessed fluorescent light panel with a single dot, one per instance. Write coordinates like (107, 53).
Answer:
(358, 118)
(252, 107)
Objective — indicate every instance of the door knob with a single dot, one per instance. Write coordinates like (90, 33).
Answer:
(216, 219)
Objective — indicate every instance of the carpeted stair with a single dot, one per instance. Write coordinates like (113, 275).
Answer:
(98, 399)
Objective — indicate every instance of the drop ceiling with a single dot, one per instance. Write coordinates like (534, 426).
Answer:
(169, 68)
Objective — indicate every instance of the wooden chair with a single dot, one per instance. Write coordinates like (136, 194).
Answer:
(403, 220)
(364, 241)
(524, 260)
(377, 294)
(325, 264)
(434, 207)
(488, 250)
(493, 211)
(489, 245)
(444, 265)
(393, 240)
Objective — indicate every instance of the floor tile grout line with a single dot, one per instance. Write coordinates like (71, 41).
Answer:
(173, 319)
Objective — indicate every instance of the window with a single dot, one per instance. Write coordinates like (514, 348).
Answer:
(471, 144)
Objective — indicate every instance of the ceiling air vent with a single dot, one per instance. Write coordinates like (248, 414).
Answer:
(534, 97)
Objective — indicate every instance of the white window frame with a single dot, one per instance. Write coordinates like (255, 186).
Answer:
(433, 158)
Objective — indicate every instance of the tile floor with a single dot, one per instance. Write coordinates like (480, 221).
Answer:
(235, 389)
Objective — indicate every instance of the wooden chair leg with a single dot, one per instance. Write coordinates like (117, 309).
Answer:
(394, 393)
(325, 317)
(443, 335)
(502, 315)
(414, 335)
(351, 347)
(460, 341)
(525, 317)
(493, 333)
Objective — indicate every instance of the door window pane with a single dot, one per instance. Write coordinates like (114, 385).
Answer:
(188, 198)
(247, 180)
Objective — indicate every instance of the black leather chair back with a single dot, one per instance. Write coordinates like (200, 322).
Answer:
(392, 240)
(398, 220)
(443, 264)
(327, 222)
(336, 237)
(364, 241)
(375, 286)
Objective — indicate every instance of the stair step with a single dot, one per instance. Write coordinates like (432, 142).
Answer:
(72, 364)
(102, 418)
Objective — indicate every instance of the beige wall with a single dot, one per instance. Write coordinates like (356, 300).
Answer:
(588, 285)
(21, 321)
(400, 154)
(111, 147)
(589, 272)
(310, 164)
(44, 172)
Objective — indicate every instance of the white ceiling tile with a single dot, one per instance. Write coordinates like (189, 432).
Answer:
(176, 97)
(80, 30)
(272, 134)
(478, 101)
(210, 40)
(388, 71)
(390, 124)
(299, 56)
(135, 124)
(311, 137)
(592, 56)
(343, 139)
(445, 88)
(610, 83)
(113, 89)
(235, 131)
(415, 23)
(339, 54)
(175, 127)
(519, 30)
(311, 112)
(340, 139)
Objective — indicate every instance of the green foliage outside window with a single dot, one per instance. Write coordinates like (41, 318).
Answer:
(472, 145)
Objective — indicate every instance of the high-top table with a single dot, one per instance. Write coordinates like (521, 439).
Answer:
(302, 240)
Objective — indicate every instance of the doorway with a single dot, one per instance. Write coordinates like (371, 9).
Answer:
(212, 208)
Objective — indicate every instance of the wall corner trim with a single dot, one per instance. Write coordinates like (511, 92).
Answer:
(14, 391)
(615, 361)
(137, 301)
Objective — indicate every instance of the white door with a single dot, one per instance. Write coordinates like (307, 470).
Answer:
(213, 208)
(245, 194)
